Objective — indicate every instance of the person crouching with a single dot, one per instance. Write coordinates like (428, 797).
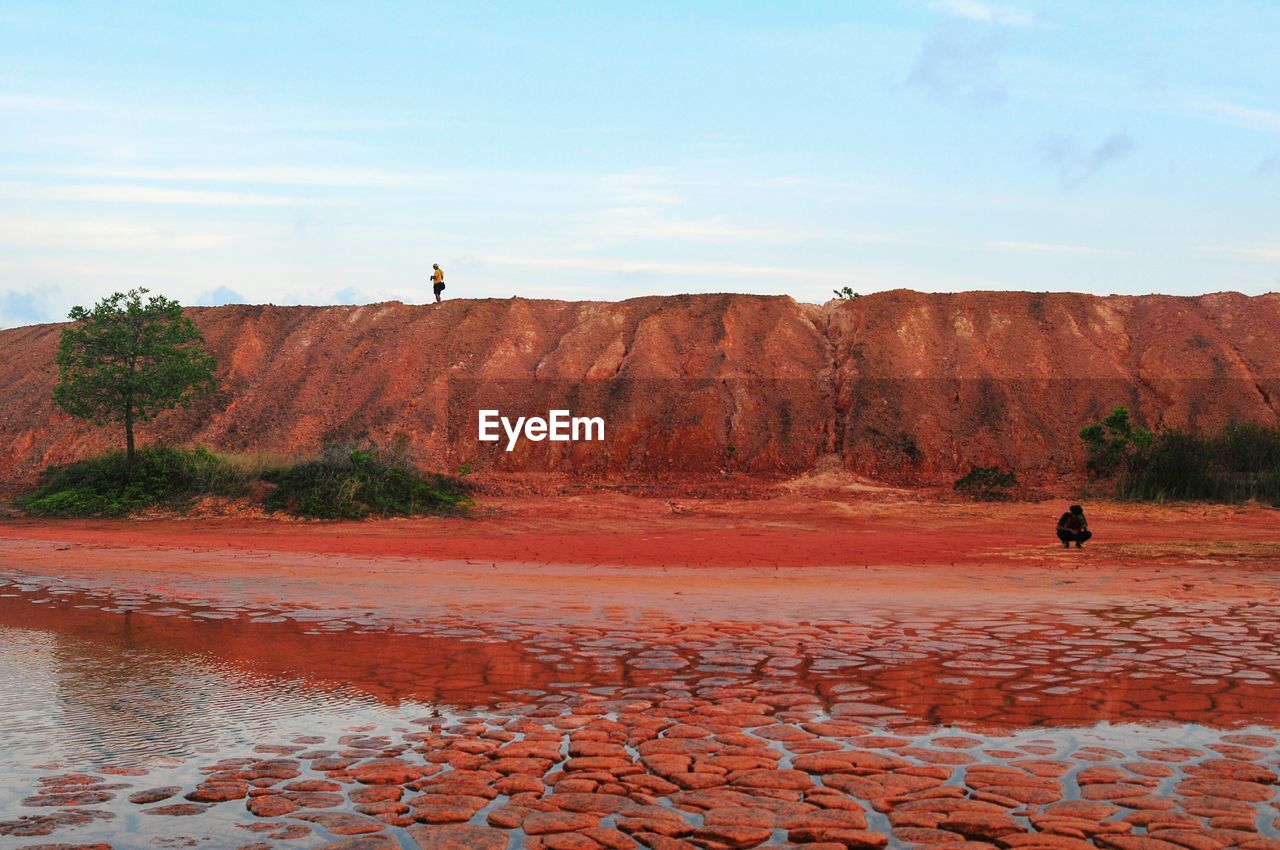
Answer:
(1074, 528)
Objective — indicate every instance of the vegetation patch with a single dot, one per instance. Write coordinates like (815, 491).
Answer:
(110, 486)
(356, 483)
(1237, 464)
(344, 483)
(127, 360)
(130, 358)
(987, 483)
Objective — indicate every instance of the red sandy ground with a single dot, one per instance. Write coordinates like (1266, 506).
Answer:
(563, 572)
(702, 557)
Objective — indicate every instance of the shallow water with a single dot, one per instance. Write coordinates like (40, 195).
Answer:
(1153, 711)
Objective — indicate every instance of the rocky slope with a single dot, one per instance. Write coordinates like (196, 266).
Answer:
(899, 386)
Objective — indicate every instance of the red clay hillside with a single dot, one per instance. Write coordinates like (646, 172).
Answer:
(900, 386)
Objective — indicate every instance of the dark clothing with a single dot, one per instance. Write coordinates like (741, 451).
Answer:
(439, 287)
(1073, 528)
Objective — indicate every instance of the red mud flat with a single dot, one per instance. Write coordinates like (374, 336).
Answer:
(634, 555)
(611, 672)
(1076, 726)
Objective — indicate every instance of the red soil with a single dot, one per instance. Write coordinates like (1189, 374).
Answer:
(897, 386)
(899, 617)
(546, 554)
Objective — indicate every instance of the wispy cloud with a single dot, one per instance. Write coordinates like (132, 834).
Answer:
(10, 102)
(626, 267)
(142, 195)
(1268, 165)
(630, 223)
(283, 175)
(1253, 117)
(641, 189)
(1076, 167)
(987, 13)
(959, 58)
(1244, 253)
(97, 234)
(959, 61)
(1052, 248)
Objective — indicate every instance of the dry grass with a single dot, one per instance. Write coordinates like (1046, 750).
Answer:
(255, 464)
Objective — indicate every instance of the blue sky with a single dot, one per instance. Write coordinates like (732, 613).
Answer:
(329, 152)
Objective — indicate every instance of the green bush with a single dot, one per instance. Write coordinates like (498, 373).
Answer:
(355, 483)
(106, 486)
(1238, 463)
(1112, 443)
(988, 483)
(344, 483)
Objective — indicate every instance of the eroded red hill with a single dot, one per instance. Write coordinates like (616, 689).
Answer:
(901, 386)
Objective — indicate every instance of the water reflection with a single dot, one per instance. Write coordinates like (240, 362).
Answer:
(134, 685)
(917, 719)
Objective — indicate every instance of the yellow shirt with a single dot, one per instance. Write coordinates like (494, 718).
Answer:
(437, 276)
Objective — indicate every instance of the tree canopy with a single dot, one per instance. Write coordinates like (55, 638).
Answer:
(128, 359)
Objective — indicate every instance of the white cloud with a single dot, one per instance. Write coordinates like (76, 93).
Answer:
(641, 189)
(1244, 116)
(43, 103)
(141, 195)
(637, 224)
(1245, 253)
(987, 13)
(25, 231)
(1051, 248)
(275, 174)
(630, 223)
(648, 267)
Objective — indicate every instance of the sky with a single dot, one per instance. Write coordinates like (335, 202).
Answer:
(330, 152)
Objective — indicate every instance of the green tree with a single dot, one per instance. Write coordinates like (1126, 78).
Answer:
(127, 360)
(1113, 442)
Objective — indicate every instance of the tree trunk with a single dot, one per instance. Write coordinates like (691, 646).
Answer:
(128, 435)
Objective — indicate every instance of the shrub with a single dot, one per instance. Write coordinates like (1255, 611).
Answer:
(1176, 465)
(356, 483)
(344, 483)
(1113, 442)
(106, 486)
(988, 483)
(1238, 463)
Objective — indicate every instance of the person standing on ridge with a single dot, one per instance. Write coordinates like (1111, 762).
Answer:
(437, 280)
(1074, 528)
